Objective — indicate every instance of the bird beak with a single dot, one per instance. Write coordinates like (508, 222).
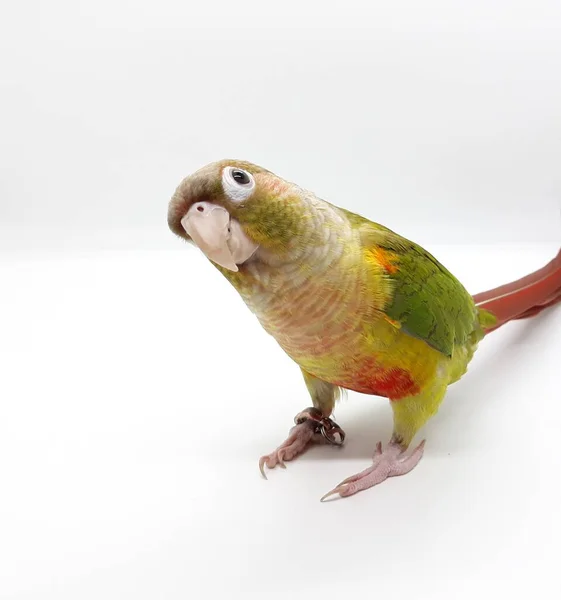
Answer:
(217, 235)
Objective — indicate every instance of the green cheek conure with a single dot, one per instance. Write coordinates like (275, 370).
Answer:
(355, 305)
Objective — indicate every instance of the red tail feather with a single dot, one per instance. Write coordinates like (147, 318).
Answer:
(525, 297)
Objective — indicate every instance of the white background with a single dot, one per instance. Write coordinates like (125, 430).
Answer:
(137, 393)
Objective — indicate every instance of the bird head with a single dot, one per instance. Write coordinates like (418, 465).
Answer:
(234, 210)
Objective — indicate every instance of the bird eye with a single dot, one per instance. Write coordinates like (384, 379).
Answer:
(240, 176)
(238, 184)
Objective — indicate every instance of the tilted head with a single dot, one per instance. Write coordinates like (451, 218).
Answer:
(234, 211)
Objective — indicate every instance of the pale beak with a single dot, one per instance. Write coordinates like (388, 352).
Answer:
(218, 236)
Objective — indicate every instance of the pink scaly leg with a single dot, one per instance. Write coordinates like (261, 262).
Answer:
(309, 423)
(390, 462)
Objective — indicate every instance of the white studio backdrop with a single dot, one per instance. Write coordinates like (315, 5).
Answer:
(438, 119)
(137, 392)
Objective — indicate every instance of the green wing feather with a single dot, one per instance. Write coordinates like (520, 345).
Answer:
(428, 302)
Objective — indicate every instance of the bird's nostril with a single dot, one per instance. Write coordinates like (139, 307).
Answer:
(200, 209)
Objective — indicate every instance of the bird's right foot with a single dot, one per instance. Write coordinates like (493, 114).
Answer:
(310, 425)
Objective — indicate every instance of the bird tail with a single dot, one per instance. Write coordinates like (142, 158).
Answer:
(521, 299)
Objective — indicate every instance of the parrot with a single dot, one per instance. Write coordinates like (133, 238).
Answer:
(355, 305)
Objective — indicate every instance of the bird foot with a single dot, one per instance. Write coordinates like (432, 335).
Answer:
(308, 424)
(390, 462)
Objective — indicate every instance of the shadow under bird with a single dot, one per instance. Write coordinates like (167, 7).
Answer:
(355, 305)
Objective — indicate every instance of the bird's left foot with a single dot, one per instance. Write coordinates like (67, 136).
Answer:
(386, 463)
